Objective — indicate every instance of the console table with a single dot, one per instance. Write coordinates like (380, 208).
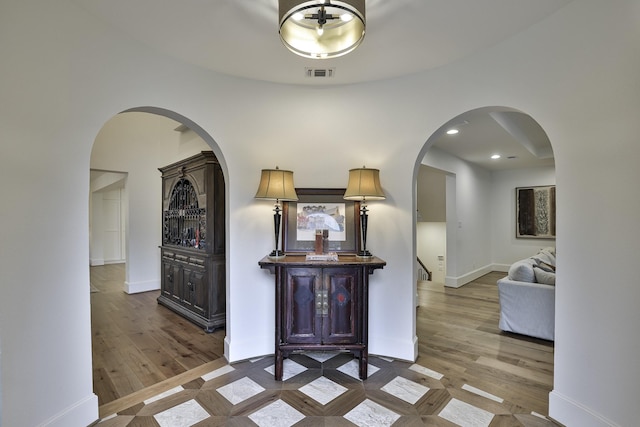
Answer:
(321, 305)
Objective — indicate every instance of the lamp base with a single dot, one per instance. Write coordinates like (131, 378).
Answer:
(276, 254)
(364, 255)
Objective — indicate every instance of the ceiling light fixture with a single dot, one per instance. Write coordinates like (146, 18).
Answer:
(495, 156)
(321, 28)
(452, 131)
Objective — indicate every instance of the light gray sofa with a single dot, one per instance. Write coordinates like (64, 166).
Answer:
(527, 296)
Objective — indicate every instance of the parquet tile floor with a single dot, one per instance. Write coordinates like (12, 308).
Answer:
(468, 374)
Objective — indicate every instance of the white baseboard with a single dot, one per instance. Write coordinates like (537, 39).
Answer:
(501, 267)
(226, 347)
(393, 347)
(571, 413)
(138, 287)
(247, 349)
(456, 282)
(82, 413)
(94, 262)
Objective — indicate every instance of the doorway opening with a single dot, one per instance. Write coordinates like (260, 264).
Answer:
(135, 341)
(466, 209)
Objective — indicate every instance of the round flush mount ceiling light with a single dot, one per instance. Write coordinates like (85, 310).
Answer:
(321, 29)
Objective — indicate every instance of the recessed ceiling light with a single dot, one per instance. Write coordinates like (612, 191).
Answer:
(495, 156)
(452, 131)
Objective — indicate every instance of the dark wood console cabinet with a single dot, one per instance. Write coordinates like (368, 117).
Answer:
(193, 240)
(321, 305)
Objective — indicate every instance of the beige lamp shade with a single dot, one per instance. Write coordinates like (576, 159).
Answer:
(321, 28)
(276, 184)
(364, 184)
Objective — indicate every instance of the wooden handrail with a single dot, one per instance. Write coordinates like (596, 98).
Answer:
(424, 267)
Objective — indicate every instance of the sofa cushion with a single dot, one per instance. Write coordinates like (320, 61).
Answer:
(550, 252)
(544, 277)
(522, 271)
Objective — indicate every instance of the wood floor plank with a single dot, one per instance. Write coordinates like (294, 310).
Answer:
(136, 342)
(458, 332)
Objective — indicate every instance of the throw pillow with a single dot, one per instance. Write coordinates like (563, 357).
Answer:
(544, 277)
(546, 266)
(522, 271)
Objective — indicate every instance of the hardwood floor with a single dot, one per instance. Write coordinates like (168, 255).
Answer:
(458, 333)
(138, 344)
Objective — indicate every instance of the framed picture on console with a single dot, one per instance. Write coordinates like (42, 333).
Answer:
(321, 209)
(536, 212)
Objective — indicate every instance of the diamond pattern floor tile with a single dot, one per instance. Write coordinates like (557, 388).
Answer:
(277, 414)
(324, 392)
(240, 390)
(369, 413)
(218, 372)
(352, 368)
(466, 415)
(405, 389)
(289, 369)
(426, 371)
(183, 415)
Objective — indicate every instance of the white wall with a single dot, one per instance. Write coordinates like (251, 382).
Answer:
(506, 249)
(65, 75)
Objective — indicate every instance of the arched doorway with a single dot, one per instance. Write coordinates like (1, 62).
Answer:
(457, 321)
(134, 330)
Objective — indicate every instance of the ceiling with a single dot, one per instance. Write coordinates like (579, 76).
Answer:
(516, 137)
(240, 38)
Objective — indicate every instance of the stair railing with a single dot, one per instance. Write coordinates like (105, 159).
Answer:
(423, 272)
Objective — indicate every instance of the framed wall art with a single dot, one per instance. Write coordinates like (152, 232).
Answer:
(536, 212)
(321, 209)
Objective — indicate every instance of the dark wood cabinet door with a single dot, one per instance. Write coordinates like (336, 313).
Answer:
(340, 325)
(302, 291)
(194, 290)
(200, 295)
(172, 281)
(168, 280)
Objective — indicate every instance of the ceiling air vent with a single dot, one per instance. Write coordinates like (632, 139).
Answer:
(319, 72)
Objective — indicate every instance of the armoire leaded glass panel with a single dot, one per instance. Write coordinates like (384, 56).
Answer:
(184, 222)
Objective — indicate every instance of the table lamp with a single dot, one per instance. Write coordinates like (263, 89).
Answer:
(276, 184)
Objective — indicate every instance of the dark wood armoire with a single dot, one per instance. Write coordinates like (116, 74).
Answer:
(193, 240)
